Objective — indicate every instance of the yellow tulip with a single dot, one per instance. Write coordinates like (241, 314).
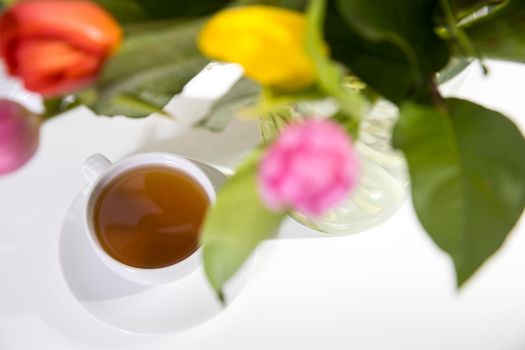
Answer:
(269, 43)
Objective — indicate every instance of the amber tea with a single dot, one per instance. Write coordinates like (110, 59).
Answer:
(150, 217)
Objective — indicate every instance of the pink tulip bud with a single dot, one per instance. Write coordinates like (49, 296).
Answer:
(310, 168)
(19, 133)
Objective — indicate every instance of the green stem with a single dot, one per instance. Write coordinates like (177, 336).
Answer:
(462, 38)
(329, 73)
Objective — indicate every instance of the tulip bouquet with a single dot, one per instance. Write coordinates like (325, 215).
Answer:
(129, 57)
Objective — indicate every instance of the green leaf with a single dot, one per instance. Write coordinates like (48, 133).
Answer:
(473, 5)
(372, 62)
(467, 167)
(124, 11)
(236, 224)
(391, 45)
(7, 3)
(454, 67)
(465, 8)
(147, 71)
(172, 9)
(57, 105)
(289, 4)
(132, 11)
(293, 4)
(408, 24)
(501, 35)
(243, 94)
(350, 125)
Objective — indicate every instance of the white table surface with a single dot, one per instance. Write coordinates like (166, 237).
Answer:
(387, 288)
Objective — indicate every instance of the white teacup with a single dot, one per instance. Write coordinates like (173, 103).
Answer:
(99, 171)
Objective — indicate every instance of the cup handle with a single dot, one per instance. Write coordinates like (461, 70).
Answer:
(94, 166)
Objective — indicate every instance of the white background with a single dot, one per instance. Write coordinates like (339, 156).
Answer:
(387, 288)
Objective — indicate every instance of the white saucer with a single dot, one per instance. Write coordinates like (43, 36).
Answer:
(130, 306)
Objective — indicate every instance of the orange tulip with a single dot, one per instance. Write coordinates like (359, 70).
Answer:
(57, 47)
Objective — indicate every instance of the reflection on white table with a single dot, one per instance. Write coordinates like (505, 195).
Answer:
(387, 288)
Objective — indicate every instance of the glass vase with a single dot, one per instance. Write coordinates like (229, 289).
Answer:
(383, 184)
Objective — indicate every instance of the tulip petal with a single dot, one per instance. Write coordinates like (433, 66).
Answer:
(269, 43)
(19, 134)
(57, 47)
(54, 67)
(81, 23)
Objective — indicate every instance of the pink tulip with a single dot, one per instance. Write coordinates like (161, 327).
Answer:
(310, 168)
(19, 133)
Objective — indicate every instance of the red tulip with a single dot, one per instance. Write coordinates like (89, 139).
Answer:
(57, 47)
(19, 131)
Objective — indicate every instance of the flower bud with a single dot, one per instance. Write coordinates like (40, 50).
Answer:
(310, 168)
(19, 134)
